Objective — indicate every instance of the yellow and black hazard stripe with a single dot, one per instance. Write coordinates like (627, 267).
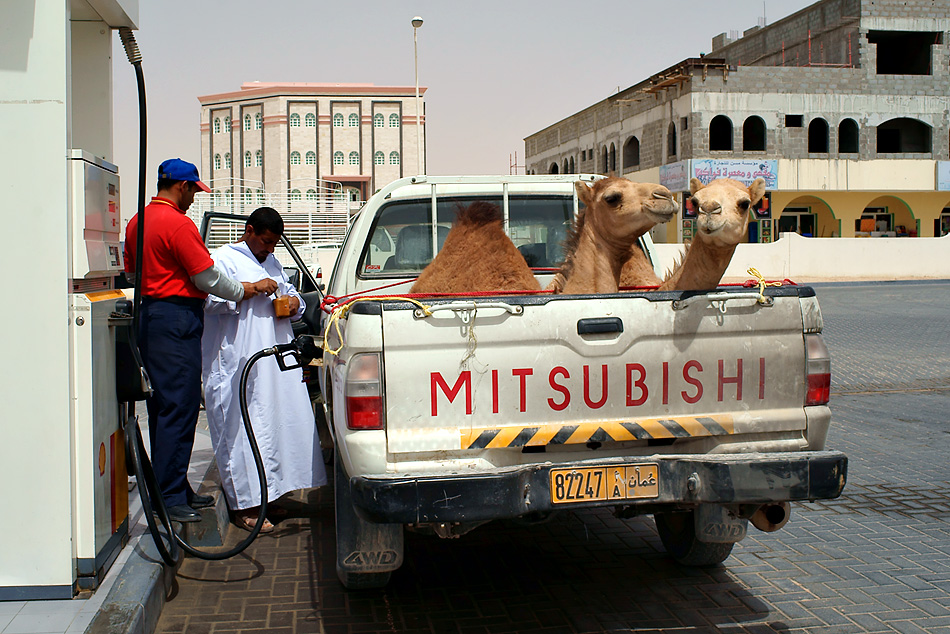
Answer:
(642, 429)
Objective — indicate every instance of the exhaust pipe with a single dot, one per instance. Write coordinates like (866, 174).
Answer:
(771, 517)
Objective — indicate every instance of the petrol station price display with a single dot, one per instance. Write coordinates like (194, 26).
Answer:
(620, 482)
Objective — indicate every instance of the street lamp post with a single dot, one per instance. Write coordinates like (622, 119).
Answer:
(416, 23)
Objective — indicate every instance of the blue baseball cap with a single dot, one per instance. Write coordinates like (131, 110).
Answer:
(178, 170)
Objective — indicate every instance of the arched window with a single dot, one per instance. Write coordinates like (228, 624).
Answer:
(571, 165)
(258, 159)
(354, 158)
(227, 160)
(671, 144)
(247, 159)
(247, 122)
(294, 195)
(904, 135)
(394, 120)
(818, 136)
(260, 196)
(228, 195)
(720, 134)
(379, 120)
(311, 194)
(552, 169)
(394, 158)
(295, 158)
(379, 158)
(848, 137)
(753, 135)
(612, 158)
(564, 167)
(338, 158)
(631, 152)
(217, 125)
(227, 123)
(354, 120)
(310, 120)
(295, 120)
(604, 158)
(338, 120)
(311, 158)
(217, 161)
(258, 121)
(247, 197)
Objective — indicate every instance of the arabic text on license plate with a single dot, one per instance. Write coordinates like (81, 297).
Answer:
(622, 482)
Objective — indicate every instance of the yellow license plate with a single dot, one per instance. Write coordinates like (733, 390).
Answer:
(622, 482)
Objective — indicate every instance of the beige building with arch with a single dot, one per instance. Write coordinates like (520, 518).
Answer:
(298, 139)
(843, 106)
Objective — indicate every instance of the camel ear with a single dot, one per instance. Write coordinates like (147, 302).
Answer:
(695, 185)
(757, 190)
(583, 192)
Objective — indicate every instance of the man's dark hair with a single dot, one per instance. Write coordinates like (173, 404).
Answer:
(166, 183)
(266, 219)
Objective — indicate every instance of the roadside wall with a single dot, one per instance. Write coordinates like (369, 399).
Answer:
(806, 260)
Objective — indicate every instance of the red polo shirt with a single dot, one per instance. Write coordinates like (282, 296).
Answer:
(172, 253)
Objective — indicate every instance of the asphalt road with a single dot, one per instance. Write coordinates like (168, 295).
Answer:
(875, 560)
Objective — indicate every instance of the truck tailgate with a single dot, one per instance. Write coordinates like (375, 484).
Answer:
(517, 371)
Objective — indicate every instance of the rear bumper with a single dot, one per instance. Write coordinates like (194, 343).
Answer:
(684, 480)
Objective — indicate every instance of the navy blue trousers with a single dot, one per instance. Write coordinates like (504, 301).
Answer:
(170, 340)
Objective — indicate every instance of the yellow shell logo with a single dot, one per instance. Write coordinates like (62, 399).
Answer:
(102, 458)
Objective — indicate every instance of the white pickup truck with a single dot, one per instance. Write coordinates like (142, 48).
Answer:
(706, 410)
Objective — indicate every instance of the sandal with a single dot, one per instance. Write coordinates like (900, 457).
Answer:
(247, 519)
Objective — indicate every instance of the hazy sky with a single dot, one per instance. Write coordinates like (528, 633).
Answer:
(496, 71)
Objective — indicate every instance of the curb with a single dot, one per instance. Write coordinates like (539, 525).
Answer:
(134, 603)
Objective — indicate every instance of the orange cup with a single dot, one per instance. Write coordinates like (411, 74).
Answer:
(282, 306)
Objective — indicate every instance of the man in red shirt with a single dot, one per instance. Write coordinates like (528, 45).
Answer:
(177, 274)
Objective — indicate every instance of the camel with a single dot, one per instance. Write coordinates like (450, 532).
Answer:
(617, 212)
(722, 223)
(477, 256)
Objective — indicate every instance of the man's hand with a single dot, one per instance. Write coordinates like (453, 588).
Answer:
(265, 286)
(294, 305)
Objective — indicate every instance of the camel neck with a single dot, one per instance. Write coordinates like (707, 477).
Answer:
(702, 268)
(596, 266)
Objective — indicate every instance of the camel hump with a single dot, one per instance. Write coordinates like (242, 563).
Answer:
(479, 212)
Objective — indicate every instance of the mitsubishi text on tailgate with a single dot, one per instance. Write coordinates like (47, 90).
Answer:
(707, 410)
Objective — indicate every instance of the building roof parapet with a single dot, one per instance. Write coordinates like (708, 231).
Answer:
(257, 90)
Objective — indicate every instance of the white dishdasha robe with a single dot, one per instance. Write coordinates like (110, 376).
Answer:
(278, 403)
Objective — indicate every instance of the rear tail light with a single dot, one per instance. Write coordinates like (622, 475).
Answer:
(818, 371)
(364, 392)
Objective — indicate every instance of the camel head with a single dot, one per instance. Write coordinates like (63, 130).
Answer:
(722, 209)
(621, 210)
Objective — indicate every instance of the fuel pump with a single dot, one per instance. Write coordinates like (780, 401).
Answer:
(62, 457)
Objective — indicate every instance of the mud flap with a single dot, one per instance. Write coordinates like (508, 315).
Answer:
(715, 524)
(362, 548)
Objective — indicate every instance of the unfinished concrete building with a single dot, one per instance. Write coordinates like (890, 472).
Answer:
(842, 107)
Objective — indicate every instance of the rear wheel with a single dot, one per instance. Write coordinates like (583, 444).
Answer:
(677, 531)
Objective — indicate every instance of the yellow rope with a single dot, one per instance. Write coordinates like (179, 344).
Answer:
(762, 283)
(340, 313)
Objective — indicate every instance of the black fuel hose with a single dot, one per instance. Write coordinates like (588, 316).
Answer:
(153, 503)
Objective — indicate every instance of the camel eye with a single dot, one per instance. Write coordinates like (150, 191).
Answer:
(744, 204)
(694, 203)
(612, 198)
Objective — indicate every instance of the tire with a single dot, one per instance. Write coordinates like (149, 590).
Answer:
(677, 531)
